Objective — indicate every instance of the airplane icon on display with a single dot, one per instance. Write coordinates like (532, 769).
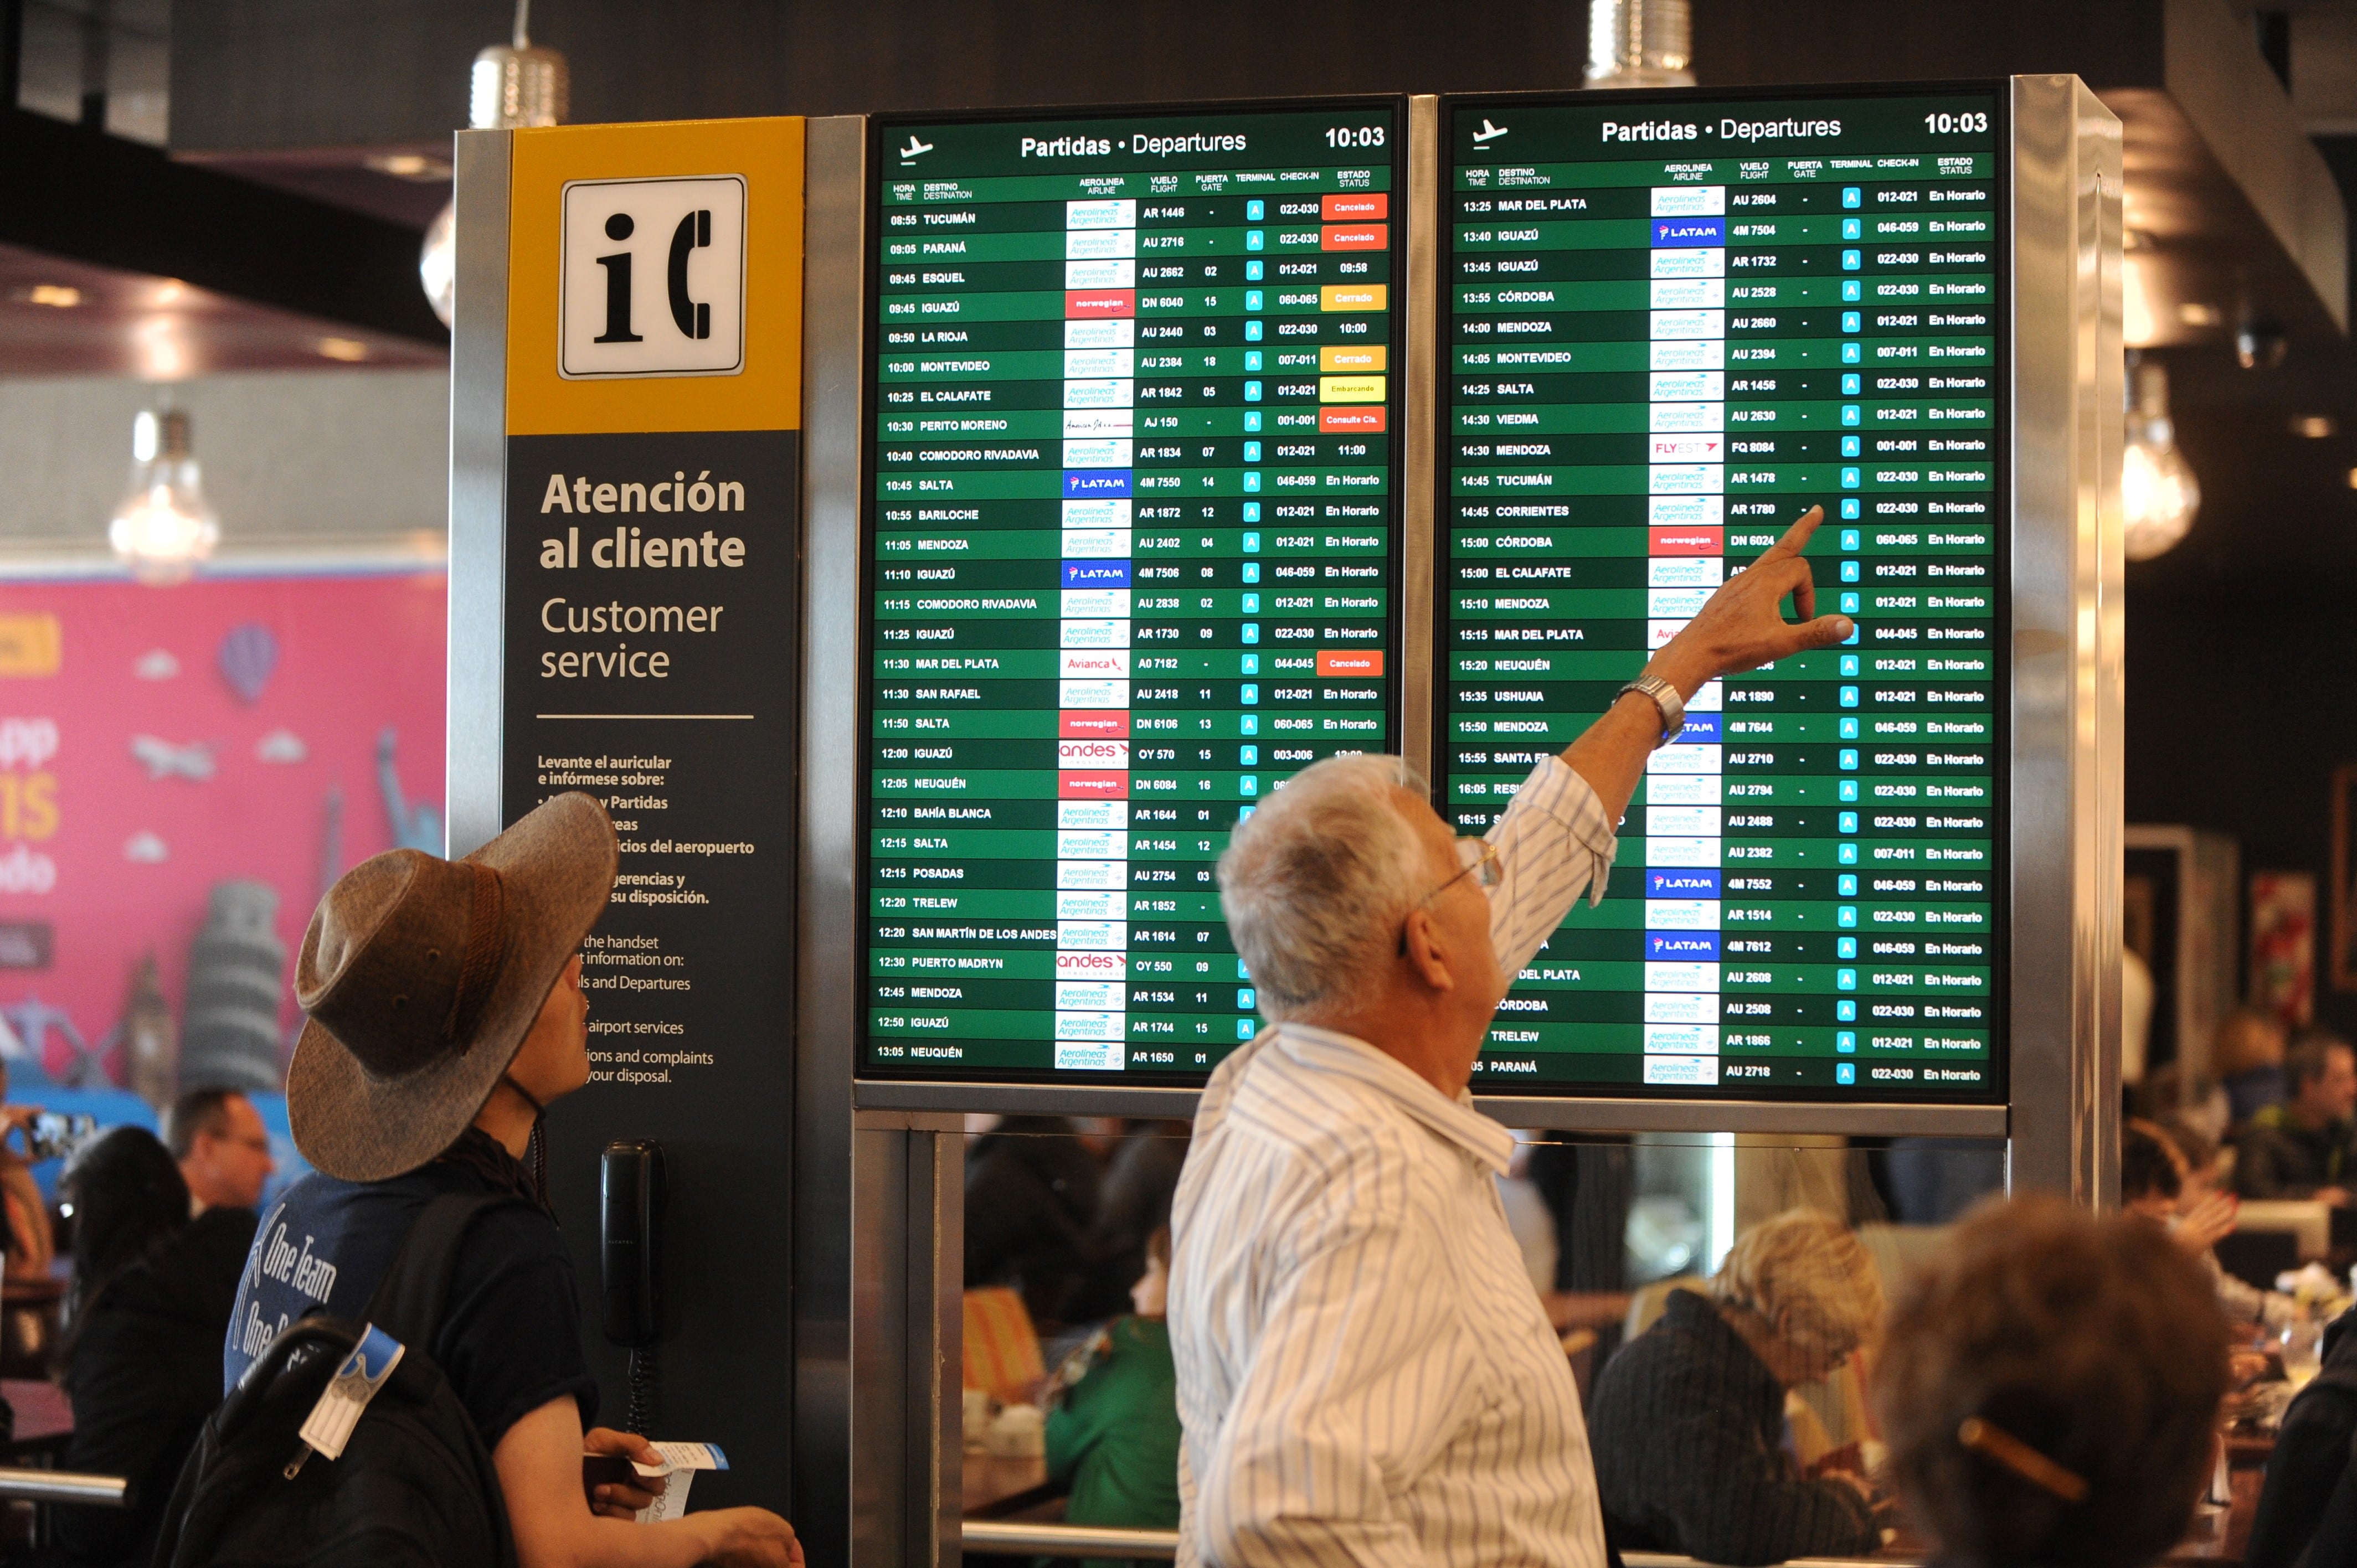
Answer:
(1488, 132)
(915, 149)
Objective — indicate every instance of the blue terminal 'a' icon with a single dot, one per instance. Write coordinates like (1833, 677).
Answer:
(1845, 822)
(1845, 884)
(1851, 195)
(1849, 480)
(1845, 1040)
(1849, 697)
(1849, 537)
(1851, 259)
(1255, 210)
(1845, 980)
(1252, 357)
(1252, 481)
(1850, 570)
(1849, 604)
(1254, 332)
(1849, 510)
(1851, 414)
(1846, 915)
(1245, 999)
(1853, 290)
(1848, 731)
(1845, 758)
(1252, 571)
(1254, 270)
(1852, 384)
(1844, 853)
(1853, 634)
(1252, 391)
(1252, 451)
(1251, 631)
(1249, 695)
(1243, 973)
(1844, 1072)
(1852, 319)
(1249, 756)
(1244, 1030)
(1845, 1012)
(1852, 354)
(1253, 298)
(1849, 664)
(1251, 419)
(1853, 228)
(1250, 604)
(1247, 785)
(1850, 447)
(1257, 239)
(1845, 947)
(1848, 790)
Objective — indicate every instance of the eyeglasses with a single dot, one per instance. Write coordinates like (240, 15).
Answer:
(1479, 861)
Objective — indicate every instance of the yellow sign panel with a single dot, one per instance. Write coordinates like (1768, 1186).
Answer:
(1348, 357)
(1350, 389)
(30, 644)
(655, 278)
(1354, 296)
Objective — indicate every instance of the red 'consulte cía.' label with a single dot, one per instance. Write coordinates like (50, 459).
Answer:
(1364, 420)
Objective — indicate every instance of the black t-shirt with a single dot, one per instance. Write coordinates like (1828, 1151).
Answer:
(511, 1334)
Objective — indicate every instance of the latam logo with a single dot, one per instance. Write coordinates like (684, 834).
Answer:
(1681, 882)
(1096, 574)
(1682, 234)
(1694, 945)
(1082, 483)
(652, 278)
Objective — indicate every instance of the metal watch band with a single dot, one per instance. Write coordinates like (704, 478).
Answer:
(1665, 697)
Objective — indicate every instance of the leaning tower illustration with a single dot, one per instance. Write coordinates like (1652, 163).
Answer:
(237, 970)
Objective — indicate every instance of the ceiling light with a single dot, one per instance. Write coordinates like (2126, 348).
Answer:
(410, 165)
(511, 86)
(61, 296)
(2194, 314)
(351, 351)
(2159, 493)
(1640, 43)
(163, 526)
(2312, 426)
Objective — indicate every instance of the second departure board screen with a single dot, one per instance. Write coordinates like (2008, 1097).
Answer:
(1674, 324)
(1131, 534)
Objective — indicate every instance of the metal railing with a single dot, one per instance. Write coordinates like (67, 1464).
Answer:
(1069, 1540)
(19, 1486)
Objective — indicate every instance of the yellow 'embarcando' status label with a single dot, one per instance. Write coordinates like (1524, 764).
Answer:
(1350, 389)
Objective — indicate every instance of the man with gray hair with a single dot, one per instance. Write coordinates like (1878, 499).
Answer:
(1365, 1375)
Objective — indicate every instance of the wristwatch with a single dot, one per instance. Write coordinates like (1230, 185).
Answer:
(1666, 697)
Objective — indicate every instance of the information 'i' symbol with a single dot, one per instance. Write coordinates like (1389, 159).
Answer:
(617, 284)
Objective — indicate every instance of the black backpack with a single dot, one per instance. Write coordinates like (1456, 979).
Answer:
(414, 1485)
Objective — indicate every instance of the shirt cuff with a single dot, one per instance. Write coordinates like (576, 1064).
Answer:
(1556, 790)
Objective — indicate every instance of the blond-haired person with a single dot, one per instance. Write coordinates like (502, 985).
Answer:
(1689, 1418)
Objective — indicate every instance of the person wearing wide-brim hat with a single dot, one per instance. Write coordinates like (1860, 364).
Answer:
(445, 1011)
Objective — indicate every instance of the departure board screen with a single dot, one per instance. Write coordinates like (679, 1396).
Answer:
(1131, 547)
(1674, 324)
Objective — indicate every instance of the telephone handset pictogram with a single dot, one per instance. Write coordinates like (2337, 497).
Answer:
(694, 231)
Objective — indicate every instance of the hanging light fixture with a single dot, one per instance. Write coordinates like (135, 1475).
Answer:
(163, 526)
(512, 86)
(2159, 494)
(1640, 43)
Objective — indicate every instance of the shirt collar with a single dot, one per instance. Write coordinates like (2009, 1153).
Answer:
(1325, 1050)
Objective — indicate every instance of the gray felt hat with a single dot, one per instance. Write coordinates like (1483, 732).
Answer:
(422, 977)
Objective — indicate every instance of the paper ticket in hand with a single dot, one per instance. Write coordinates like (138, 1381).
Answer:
(329, 1425)
(680, 1461)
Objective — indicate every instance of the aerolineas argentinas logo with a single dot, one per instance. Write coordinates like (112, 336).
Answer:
(653, 278)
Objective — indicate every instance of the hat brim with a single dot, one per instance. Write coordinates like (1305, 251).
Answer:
(556, 868)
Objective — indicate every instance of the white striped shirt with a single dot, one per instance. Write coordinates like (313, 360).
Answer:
(1365, 1376)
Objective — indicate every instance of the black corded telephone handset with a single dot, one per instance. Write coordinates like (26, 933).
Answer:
(632, 1193)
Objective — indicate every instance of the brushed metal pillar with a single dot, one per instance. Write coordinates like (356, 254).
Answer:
(478, 425)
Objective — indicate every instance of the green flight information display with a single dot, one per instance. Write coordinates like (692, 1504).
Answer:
(1131, 546)
(1674, 323)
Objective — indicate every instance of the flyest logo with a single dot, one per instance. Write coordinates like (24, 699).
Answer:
(654, 278)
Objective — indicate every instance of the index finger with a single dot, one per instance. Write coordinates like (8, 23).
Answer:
(1796, 538)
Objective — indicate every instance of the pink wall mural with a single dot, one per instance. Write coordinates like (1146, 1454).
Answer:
(181, 772)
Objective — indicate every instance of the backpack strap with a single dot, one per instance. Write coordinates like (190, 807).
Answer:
(408, 1301)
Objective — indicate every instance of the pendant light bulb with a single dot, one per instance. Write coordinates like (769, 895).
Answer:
(2159, 494)
(163, 526)
(512, 86)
